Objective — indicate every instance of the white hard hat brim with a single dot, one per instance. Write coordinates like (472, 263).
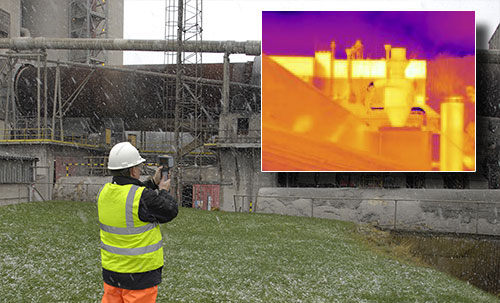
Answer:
(127, 165)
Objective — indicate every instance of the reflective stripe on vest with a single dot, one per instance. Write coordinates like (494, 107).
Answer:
(128, 245)
(127, 230)
(132, 251)
(129, 212)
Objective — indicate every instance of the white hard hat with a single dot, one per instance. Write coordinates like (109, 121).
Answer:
(124, 155)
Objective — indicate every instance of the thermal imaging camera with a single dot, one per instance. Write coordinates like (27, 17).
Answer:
(167, 162)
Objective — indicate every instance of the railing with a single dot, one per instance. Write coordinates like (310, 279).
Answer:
(466, 209)
(245, 136)
(89, 140)
(238, 136)
(46, 135)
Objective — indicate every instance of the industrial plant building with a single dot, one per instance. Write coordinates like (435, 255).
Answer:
(63, 107)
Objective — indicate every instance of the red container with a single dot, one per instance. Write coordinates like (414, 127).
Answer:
(206, 196)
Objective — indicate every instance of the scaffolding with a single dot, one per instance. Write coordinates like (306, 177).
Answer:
(88, 19)
(183, 23)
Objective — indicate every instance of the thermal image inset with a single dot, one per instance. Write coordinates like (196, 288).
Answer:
(368, 91)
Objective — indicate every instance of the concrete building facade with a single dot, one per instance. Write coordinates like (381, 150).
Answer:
(494, 42)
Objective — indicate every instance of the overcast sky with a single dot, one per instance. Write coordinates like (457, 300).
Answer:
(425, 34)
(241, 20)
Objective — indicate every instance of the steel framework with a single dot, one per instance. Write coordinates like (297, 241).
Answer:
(183, 23)
(37, 57)
(88, 19)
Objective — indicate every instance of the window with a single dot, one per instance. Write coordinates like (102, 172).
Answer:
(243, 126)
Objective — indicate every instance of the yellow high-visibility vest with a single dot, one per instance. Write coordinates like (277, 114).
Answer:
(128, 245)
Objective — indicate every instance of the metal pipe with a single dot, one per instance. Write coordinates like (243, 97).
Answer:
(9, 76)
(12, 95)
(60, 104)
(87, 60)
(178, 82)
(54, 104)
(38, 95)
(251, 48)
(225, 84)
(45, 105)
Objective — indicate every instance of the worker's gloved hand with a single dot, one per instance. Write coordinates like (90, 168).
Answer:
(165, 183)
(157, 176)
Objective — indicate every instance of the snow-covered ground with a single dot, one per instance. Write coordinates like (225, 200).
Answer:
(50, 253)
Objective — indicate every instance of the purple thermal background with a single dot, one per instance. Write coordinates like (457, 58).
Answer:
(425, 34)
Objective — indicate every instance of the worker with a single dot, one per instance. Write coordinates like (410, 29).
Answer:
(370, 92)
(130, 212)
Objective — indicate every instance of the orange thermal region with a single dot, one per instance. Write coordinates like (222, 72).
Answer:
(321, 113)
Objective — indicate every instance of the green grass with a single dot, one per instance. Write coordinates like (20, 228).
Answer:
(50, 253)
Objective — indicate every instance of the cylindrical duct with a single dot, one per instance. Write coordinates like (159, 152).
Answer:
(231, 47)
(452, 134)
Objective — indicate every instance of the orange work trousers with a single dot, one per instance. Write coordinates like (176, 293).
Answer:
(119, 295)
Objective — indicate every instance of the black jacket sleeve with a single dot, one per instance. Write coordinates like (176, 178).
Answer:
(150, 184)
(156, 206)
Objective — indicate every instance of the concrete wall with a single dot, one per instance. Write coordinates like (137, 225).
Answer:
(241, 175)
(415, 209)
(201, 174)
(14, 193)
(79, 188)
(228, 127)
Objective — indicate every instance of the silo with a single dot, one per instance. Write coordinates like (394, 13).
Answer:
(47, 19)
(76, 19)
(10, 14)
